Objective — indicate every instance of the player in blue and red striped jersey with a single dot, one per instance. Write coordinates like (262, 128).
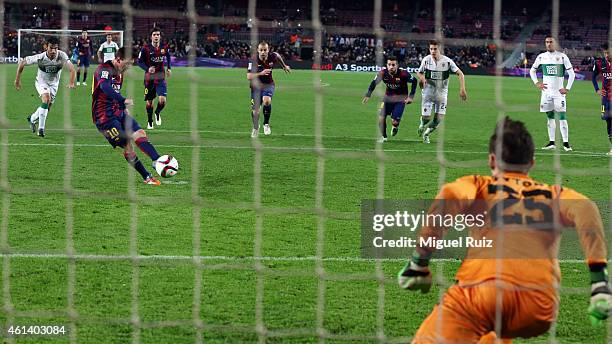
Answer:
(151, 60)
(396, 95)
(85, 49)
(603, 66)
(262, 85)
(109, 113)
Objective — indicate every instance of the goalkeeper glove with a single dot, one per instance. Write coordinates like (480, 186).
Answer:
(414, 277)
(601, 302)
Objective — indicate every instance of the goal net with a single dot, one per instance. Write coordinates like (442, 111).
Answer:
(258, 239)
(31, 41)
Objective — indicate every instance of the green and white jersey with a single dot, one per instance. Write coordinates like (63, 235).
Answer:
(437, 73)
(49, 71)
(553, 66)
(108, 50)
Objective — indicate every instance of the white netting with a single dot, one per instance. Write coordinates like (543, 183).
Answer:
(255, 262)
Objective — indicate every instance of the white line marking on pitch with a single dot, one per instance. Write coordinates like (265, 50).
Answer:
(175, 182)
(226, 258)
(574, 154)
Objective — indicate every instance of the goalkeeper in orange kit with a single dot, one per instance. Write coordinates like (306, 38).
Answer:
(513, 294)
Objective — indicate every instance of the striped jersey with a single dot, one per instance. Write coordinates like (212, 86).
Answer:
(84, 46)
(604, 67)
(273, 57)
(151, 56)
(107, 101)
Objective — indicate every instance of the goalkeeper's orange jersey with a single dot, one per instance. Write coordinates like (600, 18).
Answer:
(524, 254)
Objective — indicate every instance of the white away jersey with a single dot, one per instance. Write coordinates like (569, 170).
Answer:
(553, 67)
(49, 71)
(437, 72)
(108, 50)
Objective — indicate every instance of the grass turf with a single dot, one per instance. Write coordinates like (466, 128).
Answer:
(109, 199)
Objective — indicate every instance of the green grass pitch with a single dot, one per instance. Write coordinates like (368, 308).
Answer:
(102, 213)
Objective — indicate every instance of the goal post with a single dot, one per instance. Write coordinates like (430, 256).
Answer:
(26, 48)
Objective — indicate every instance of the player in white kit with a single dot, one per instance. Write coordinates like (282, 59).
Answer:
(433, 77)
(50, 64)
(107, 49)
(554, 64)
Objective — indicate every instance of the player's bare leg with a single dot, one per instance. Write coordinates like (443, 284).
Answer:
(161, 103)
(150, 114)
(267, 111)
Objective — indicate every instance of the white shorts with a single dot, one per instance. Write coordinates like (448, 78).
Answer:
(552, 102)
(43, 87)
(433, 104)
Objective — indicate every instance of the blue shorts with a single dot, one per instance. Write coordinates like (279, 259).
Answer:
(155, 88)
(605, 108)
(395, 109)
(258, 94)
(115, 130)
(83, 61)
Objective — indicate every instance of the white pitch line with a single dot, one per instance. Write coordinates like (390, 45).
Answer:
(228, 258)
(246, 134)
(574, 154)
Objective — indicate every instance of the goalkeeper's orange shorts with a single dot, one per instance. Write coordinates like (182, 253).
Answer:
(467, 314)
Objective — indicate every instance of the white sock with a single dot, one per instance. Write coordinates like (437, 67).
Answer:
(552, 127)
(427, 131)
(564, 130)
(42, 113)
(34, 116)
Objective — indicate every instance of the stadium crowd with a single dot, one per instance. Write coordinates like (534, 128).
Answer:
(232, 40)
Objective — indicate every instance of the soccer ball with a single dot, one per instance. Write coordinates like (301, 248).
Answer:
(166, 166)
